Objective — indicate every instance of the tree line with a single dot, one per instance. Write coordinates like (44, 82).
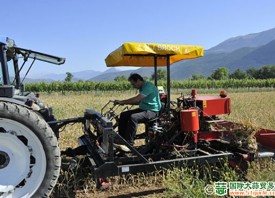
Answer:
(59, 86)
(220, 78)
(222, 73)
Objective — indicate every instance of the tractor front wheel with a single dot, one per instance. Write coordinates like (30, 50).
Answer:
(29, 153)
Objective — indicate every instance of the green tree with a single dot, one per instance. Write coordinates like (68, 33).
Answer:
(221, 73)
(120, 78)
(267, 72)
(238, 74)
(197, 77)
(69, 77)
(161, 73)
(252, 72)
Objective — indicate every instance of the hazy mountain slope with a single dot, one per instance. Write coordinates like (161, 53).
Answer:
(264, 55)
(207, 64)
(110, 76)
(249, 40)
(83, 75)
(243, 58)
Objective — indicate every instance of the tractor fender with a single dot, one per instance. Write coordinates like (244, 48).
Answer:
(12, 100)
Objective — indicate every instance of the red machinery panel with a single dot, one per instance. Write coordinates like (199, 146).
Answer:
(213, 105)
(189, 120)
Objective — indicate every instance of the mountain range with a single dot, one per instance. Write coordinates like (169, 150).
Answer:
(251, 50)
(243, 52)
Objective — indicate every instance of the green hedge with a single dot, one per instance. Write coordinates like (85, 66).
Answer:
(121, 86)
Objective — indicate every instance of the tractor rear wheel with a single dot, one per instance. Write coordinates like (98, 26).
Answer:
(29, 153)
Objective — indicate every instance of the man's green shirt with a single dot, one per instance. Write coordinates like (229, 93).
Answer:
(152, 100)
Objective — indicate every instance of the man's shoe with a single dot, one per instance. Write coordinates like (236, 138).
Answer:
(122, 148)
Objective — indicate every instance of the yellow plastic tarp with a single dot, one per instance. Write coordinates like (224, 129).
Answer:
(142, 54)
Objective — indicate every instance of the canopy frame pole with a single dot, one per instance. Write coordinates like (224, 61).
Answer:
(168, 87)
(155, 69)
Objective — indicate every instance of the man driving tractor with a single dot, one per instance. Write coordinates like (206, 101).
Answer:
(149, 106)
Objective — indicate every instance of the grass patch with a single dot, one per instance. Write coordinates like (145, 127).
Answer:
(190, 182)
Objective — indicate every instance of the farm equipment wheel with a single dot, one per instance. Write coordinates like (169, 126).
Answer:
(29, 153)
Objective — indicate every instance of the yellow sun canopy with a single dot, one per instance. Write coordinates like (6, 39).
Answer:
(143, 54)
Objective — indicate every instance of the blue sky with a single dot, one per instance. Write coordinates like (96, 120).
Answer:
(86, 31)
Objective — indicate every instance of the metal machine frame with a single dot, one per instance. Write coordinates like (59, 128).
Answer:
(211, 148)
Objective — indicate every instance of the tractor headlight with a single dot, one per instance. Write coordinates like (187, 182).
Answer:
(7, 41)
(10, 42)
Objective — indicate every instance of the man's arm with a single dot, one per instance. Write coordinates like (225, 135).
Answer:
(131, 101)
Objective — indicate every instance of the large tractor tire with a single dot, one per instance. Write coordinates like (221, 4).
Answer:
(29, 153)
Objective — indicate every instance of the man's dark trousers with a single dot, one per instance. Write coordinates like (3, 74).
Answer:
(129, 121)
